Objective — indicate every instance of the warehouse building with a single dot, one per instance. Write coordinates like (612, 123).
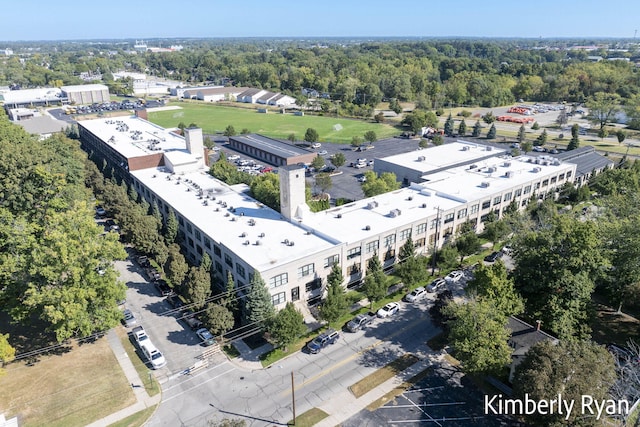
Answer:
(294, 249)
(86, 94)
(272, 151)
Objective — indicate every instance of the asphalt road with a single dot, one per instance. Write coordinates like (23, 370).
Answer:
(263, 397)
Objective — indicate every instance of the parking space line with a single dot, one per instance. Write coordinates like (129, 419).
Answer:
(431, 419)
(423, 389)
(423, 405)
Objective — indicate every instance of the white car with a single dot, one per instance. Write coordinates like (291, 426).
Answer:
(435, 285)
(389, 309)
(416, 294)
(454, 276)
(316, 145)
(153, 355)
(234, 157)
(140, 335)
(206, 336)
(322, 153)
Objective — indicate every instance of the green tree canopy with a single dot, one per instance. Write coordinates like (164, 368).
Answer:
(259, 309)
(287, 326)
(197, 286)
(335, 305)
(375, 184)
(467, 244)
(311, 135)
(479, 336)
(230, 131)
(491, 282)
(375, 282)
(338, 160)
(177, 267)
(217, 318)
(370, 136)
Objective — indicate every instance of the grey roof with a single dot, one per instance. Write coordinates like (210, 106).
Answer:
(42, 125)
(586, 160)
(523, 336)
(274, 146)
(267, 96)
(218, 90)
(249, 92)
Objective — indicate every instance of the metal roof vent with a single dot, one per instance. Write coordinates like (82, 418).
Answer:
(339, 216)
(367, 227)
(489, 148)
(484, 184)
(509, 174)
(243, 235)
(246, 242)
(491, 169)
(473, 166)
(424, 205)
(422, 158)
(466, 148)
(506, 164)
(258, 243)
(536, 170)
(372, 205)
(261, 235)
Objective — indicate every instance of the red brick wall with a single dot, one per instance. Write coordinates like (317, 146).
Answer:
(145, 162)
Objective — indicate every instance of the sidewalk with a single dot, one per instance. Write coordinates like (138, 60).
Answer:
(143, 400)
(249, 359)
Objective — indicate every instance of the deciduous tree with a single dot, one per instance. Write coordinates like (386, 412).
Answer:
(491, 282)
(603, 107)
(217, 318)
(311, 135)
(287, 326)
(338, 160)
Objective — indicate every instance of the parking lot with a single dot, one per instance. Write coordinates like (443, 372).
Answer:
(345, 179)
(178, 343)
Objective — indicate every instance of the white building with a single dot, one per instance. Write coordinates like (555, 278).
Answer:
(86, 94)
(295, 249)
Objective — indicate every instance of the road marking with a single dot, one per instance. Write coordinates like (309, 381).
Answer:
(423, 405)
(197, 385)
(423, 411)
(433, 420)
(191, 377)
(353, 356)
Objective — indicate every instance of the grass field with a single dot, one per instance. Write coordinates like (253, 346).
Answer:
(215, 118)
(72, 389)
(373, 380)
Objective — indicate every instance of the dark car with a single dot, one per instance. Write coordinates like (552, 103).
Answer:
(493, 256)
(143, 261)
(152, 274)
(191, 320)
(322, 341)
(163, 288)
(175, 301)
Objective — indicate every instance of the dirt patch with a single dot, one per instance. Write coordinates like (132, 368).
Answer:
(383, 374)
(613, 327)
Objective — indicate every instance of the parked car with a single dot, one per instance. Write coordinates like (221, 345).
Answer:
(153, 355)
(143, 261)
(128, 318)
(389, 309)
(175, 301)
(100, 211)
(360, 321)
(454, 276)
(163, 287)
(152, 274)
(140, 335)
(191, 320)
(436, 285)
(322, 341)
(493, 256)
(206, 336)
(416, 294)
(233, 157)
(322, 153)
(362, 179)
(507, 250)
(316, 145)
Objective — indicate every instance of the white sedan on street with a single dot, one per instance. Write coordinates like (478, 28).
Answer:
(389, 309)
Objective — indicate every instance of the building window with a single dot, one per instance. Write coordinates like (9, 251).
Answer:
(448, 218)
(198, 235)
(462, 213)
(333, 259)
(527, 189)
(180, 220)
(390, 254)
(218, 267)
(507, 197)
(240, 270)
(227, 260)
(405, 234)
(199, 250)
(207, 243)
(569, 173)
(389, 240)
(561, 176)
(554, 180)
(420, 242)
(189, 228)
(545, 182)
(306, 270)
(497, 200)
(486, 204)
(372, 246)
(537, 186)
(354, 252)
(434, 224)
(517, 193)
(474, 209)
(217, 251)
(353, 269)
(279, 280)
(278, 298)
(421, 228)
(190, 241)
(313, 285)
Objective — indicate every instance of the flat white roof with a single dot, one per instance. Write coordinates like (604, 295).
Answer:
(225, 215)
(32, 95)
(134, 137)
(493, 176)
(365, 219)
(84, 88)
(443, 156)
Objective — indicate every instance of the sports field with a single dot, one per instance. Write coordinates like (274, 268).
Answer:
(215, 118)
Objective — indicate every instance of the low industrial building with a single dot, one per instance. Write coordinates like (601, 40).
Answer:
(588, 163)
(86, 94)
(294, 249)
(269, 150)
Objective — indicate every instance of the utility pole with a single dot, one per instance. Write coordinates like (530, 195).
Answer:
(293, 399)
(435, 242)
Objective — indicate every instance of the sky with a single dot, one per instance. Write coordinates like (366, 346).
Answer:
(143, 19)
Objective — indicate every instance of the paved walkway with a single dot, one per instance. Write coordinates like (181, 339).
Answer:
(143, 400)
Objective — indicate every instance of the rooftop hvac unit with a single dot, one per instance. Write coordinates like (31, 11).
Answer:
(484, 184)
(536, 170)
(339, 216)
(466, 148)
(261, 235)
(372, 205)
(491, 169)
(489, 148)
(509, 174)
(422, 158)
(394, 213)
(424, 205)
(258, 243)
(246, 242)
(367, 227)
(556, 162)
(243, 235)
(506, 164)
(473, 166)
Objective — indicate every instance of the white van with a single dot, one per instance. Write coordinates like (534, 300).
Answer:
(153, 355)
